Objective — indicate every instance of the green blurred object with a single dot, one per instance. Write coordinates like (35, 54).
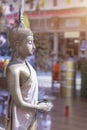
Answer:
(84, 78)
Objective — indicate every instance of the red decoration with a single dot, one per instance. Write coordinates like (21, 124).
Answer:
(67, 112)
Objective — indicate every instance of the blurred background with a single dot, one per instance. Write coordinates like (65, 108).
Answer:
(59, 28)
(60, 36)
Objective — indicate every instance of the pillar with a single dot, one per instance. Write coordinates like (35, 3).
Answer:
(55, 45)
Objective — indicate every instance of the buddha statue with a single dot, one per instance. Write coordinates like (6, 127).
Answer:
(22, 81)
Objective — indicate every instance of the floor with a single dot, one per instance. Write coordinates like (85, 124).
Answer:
(67, 114)
(61, 118)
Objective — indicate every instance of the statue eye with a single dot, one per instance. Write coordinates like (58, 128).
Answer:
(30, 42)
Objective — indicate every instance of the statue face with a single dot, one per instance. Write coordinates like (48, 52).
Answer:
(27, 47)
(30, 46)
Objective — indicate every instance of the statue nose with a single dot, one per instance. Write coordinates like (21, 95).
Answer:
(34, 47)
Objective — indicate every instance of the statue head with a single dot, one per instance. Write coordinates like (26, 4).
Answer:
(18, 33)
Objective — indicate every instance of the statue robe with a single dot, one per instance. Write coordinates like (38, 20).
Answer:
(20, 119)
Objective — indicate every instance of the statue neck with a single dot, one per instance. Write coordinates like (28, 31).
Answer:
(15, 56)
(18, 59)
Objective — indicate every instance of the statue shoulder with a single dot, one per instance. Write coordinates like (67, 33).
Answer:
(12, 69)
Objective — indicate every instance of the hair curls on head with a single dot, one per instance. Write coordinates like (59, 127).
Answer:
(17, 34)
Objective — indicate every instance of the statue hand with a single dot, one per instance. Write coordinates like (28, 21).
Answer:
(45, 106)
